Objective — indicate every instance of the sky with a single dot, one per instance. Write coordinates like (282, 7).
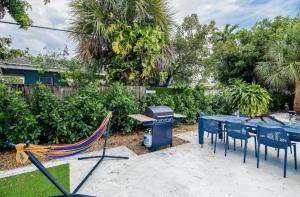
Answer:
(56, 15)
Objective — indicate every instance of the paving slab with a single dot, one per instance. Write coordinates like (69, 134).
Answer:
(189, 170)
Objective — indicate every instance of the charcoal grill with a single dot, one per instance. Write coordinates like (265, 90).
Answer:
(160, 119)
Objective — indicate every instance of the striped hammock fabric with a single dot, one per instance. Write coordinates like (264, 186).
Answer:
(62, 150)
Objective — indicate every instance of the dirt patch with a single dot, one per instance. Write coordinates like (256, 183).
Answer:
(132, 141)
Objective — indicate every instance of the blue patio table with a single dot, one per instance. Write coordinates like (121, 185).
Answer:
(292, 129)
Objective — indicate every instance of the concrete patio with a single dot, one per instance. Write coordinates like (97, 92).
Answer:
(188, 170)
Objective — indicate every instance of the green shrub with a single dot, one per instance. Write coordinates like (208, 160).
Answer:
(83, 112)
(158, 99)
(185, 104)
(218, 104)
(280, 98)
(17, 124)
(122, 103)
(47, 110)
(251, 99)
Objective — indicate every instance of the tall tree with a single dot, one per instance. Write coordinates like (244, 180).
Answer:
(93, 20)
(18, 11)
(234, 54)
(191, 48)
(6, 52)
(281, 65)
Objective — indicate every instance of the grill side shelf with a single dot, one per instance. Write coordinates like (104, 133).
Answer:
(141, 118)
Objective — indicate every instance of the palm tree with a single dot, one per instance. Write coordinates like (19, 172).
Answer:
(281, 67)
(91, 19)
(227, 33)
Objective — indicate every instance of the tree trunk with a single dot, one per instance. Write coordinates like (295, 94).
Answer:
(297, 97)
(168, 81)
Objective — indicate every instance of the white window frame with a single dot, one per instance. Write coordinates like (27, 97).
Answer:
(7, 78)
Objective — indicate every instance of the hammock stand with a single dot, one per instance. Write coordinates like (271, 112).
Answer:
(50, 177)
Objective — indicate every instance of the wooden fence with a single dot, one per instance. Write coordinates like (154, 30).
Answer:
(62, 92)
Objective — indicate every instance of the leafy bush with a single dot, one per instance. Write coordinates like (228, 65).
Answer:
(83, 112)
(122, 104)
(249, 98)
(47, 110)
(156, 100)
(17, 124)
(218, 104)
(185, 104)
(280, 98)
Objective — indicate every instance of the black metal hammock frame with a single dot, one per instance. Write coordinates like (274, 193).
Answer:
(52, 179)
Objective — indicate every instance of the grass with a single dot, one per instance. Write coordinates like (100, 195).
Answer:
(35, 183)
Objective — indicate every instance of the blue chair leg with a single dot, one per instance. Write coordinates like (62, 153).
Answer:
(291, 150)
(212, 138)
(215, 142)
(278, 150)
(242, 143)
(233, 144)
(258, 153)
(295, 156)
(255, 146)
(266, 152)
(285, 160)
(226, 146)
(245, 150)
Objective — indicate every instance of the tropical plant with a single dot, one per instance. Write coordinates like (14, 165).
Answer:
(92, 22)
(250, 99)
(136, 49)
(281, 66)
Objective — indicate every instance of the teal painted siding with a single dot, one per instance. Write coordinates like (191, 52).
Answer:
(32, 76)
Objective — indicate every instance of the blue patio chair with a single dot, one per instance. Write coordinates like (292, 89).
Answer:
(206, 114)
(237, 130)
(275, 137)
(213, 127)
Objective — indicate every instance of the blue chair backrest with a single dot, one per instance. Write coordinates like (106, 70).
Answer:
(236, 130)
(211, 126)
(202, 114)
(272, 136)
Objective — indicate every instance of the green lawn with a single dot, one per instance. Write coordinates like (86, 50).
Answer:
(34, 183)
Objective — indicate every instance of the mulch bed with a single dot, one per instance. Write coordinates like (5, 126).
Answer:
(132, 141)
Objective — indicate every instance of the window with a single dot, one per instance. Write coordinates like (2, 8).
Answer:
(46, 80)
(12, 79)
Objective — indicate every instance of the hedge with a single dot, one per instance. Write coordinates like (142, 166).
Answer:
(45, 119)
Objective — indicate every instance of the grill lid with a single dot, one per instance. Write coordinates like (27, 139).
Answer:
(159, 112)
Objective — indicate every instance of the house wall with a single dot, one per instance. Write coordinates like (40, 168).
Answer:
(32, 76)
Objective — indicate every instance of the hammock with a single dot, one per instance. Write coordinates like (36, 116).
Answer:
(27, 151)
(62, 150)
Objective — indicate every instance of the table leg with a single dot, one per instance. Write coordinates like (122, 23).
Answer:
(200, 132)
